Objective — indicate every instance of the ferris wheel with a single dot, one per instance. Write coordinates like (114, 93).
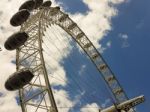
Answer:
(31, 78)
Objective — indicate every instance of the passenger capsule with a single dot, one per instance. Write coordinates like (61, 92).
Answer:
(47, 4)
(20, 17)
(16, 40)
(29, 5)
(57, 8)
(18, 80)
(38, 3)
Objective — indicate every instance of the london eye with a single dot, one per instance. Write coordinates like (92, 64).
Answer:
(40, 24)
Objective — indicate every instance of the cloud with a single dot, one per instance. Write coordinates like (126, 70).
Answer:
(8, 103)
(97, 22)
(108, 44)
(63, 101)
(106, 103)
(7, 100)
(124, 38)
(90, 108)
(83, 67)
(55, 53)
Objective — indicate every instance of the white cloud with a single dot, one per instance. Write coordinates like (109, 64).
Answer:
(97, 22)
(108, 44)
(8, 103)
(90, 108)
(82, 69)
(124, 38)
(63, 101)
(105, 104)
(56, 48)
(7, 100)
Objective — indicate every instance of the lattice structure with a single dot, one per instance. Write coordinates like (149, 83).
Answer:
(30, 56)
(79, 36)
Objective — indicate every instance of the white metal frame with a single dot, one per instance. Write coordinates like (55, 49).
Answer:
(30, 56)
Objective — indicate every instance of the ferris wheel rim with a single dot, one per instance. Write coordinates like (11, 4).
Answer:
(59, 22)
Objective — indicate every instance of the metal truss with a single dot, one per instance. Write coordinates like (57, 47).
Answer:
(37, 96)
(30, 56)
(80, 37)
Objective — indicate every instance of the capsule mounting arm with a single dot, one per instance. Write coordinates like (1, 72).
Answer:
(125, 106)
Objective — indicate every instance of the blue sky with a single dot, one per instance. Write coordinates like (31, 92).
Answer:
(74, 6)
(128, 57)
(131, 64)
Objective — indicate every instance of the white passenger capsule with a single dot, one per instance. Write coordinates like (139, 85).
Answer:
(20, 17)
(38, 3)
(16, 40)
(29, 5)
(18, 80)
(47, 4)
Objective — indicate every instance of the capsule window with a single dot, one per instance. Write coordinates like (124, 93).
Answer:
(47, 4)
(38, 3)
(20, 17)
(29, 5)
